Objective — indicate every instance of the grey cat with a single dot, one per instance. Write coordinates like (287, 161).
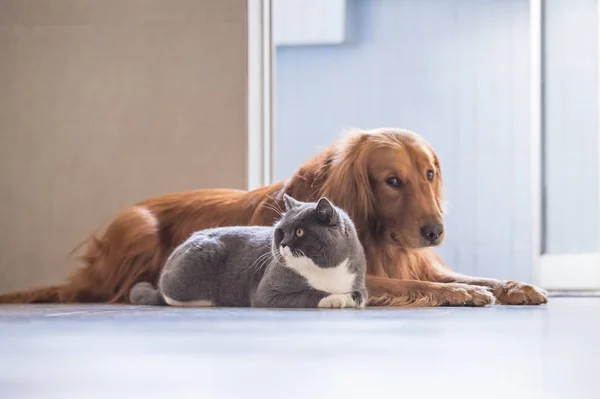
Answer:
(311, 258)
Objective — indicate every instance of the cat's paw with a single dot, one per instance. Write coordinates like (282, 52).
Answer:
(359, 298)
(337, 301)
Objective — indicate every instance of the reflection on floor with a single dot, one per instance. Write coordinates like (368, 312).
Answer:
(82, 352)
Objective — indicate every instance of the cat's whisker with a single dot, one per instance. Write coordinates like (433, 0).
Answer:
(276, 203)
(269, 258)
(271, 207)
(270, 265)
(277, 256)
(278, 215)
(264, 266)
(260, 259)
(257, 260)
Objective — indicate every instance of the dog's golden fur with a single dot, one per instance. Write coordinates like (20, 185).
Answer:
(355, 173)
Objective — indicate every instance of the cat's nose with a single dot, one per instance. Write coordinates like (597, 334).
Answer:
(283, 245)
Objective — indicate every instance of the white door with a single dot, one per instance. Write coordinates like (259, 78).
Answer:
(569, 144)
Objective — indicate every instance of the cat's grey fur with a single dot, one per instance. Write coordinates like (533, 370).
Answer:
(263, 266)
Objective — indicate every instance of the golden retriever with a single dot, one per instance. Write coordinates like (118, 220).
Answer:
(388, 180)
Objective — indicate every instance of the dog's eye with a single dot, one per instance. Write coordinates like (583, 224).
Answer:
(299, 232)
(393, 182)
(430, 175)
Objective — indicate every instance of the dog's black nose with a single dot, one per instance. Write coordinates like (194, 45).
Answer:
(432, 231)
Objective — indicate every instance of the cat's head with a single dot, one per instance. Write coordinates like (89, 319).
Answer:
(316, 230)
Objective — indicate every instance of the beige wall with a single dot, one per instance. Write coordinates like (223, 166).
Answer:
(104, 103)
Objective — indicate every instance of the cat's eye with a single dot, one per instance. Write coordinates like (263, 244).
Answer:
(299, 232)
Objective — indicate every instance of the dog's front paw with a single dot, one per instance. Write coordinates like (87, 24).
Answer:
(337, 301)
(515, 293)
(467, 295)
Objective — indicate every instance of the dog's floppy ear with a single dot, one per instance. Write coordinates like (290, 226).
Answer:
(439, 194)
(348, 184)
(307, 181)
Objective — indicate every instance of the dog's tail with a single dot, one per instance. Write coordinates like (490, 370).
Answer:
(126, 253)
(49, 294)
(145, 294)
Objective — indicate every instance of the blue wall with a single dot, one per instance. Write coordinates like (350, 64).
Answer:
(455, 71)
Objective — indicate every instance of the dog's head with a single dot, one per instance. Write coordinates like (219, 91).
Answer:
(390, 182)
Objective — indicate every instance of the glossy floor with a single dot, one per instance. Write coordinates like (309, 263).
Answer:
(102, 351)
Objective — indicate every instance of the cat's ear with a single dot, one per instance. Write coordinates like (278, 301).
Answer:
(290, 203)
(326, 212)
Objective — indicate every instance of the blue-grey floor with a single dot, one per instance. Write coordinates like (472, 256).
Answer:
(124, 351)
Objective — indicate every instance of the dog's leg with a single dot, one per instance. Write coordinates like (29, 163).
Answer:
(412, 293)
(506, 292)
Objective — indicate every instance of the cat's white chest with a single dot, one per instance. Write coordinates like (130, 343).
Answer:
(334, 280)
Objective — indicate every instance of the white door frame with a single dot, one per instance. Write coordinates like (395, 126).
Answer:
(260, 94)
(577, 271)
